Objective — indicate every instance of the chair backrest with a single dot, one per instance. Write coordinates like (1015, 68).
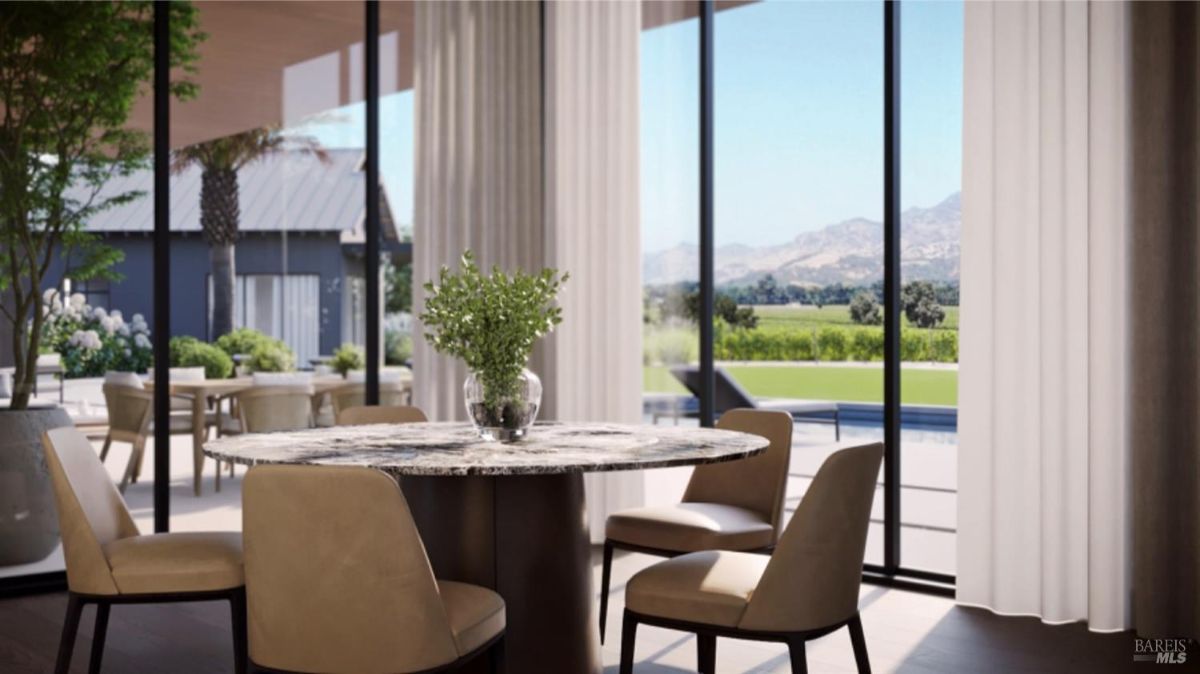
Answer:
(354, 394)
(727, 394)
(282, 378)
(337, 579)
(91, 512)
(757, 483)
(395, 414)
(814, 574)
(264, 409)
(130, 409)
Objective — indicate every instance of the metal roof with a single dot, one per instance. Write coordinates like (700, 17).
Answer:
(288, 191)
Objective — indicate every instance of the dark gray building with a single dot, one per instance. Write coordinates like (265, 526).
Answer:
(298, 262)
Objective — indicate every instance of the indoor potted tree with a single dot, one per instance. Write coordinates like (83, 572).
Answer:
(71, 74)
(491, 322)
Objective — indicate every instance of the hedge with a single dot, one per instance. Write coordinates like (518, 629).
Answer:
(832, 343)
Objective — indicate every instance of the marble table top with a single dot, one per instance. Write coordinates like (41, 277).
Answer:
(452, 449)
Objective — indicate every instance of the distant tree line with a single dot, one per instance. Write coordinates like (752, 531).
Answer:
(732, 302)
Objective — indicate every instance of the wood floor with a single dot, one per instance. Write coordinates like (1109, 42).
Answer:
(905, 632)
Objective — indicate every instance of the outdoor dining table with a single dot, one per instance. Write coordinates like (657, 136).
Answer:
(506, 516)
(200, 390)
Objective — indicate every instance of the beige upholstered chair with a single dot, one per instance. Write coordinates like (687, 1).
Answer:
(806, 589)
(354, 394)
(284, 407)
(338, 580)
(399, 414)
(131, 419)
(108, 562)
(727, 506)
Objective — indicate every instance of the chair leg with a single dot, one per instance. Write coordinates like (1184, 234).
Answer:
(605, 578)
(837, 425)
(131, 468)
(628, 636)
(860, 645)
(799, 659)
(98, 635)
(237, 610)
(104, 449)
(706, 653)
(496, 656)
(66, 646)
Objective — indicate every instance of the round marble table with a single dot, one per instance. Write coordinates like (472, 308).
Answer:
(510, 517)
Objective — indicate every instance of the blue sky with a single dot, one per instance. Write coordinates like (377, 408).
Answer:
(798, 118)
(799, 95)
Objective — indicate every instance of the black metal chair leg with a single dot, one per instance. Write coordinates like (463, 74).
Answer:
(66, 646)
(706, 653)
(860, 645)
(799, 659)
(496, 656)
(628, 636)
(605, 577)
(237, 609)
(98, 635)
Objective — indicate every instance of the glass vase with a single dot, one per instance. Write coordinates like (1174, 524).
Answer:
(508, 418)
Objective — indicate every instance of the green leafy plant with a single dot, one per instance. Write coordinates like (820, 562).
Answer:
(92, 340)
(491, 321)
(241, 342)
(397, 347)
(190, 352)
(348, 357)
(271, 356)
(71, 72)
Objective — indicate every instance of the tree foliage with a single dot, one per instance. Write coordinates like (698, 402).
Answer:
(864, 310)
(69, 75)
(921, 306)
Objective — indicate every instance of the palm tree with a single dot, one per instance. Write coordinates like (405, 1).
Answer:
(220, 160)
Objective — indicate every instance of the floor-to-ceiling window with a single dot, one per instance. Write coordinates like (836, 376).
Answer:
(930, 180)
(799, 229)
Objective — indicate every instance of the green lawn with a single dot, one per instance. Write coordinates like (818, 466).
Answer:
(776, 316)
(854, 384)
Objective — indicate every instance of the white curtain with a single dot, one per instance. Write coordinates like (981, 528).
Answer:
(1044, 489)
(494, 125)
(594, 361)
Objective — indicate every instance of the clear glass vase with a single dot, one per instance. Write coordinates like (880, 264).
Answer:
(508, 419)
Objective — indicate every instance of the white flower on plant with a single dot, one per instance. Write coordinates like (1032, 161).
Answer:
(123, 330)
(116, 313)
(99, 313)
(108, 325)
(141, 341)
(78, 301)
(85, 339)
(128, 353)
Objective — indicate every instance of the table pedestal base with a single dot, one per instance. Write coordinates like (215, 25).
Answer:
(525, 536)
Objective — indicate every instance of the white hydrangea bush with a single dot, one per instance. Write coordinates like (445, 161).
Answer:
(92, 340)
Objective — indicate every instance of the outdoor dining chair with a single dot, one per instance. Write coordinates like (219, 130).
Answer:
(380, 414)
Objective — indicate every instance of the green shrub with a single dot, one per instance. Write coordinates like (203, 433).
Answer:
(271, 356)
(832, 343)
(348, 357)
(914, 345)
(177, 346)
(670, 346)
(242, 341)
(397, 347)
(945, 346)
(191, 352)
(866, 344)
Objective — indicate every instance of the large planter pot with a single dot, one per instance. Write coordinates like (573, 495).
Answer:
(28, 524)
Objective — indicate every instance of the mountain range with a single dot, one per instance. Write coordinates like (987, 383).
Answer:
(849, 252)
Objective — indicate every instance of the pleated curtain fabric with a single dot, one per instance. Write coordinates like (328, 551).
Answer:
(593, 362)
(478, 149)
(529, 157)
(1044, 489)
